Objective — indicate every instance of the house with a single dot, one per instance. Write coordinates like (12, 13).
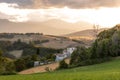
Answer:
(36, 63)
(39, 63)
(60, 57)
(65, 54)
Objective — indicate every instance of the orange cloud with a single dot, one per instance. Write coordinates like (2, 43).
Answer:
(76, 3)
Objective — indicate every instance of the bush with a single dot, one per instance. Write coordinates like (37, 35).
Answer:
(20, 64)
(8, 73)
(63, 65)
(79, 56)
(48, 69)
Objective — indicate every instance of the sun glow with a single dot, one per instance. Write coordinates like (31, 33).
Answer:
(106, 17)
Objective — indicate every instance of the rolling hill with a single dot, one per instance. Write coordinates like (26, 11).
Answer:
(84, 33)
(87, 36)
(57, 42)
(38, 40)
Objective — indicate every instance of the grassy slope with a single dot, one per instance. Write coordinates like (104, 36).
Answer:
(105, 71)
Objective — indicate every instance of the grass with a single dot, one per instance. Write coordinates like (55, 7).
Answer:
(104, 71)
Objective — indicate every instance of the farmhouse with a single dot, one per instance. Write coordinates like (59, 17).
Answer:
(65, 54)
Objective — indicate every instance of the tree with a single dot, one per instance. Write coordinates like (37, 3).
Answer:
(103, 50)
(79, 57)
(35, 57)
(1, 53)
(20, 64)
(6, 65)
(94, 49)
(38, 51)
(10, 68)
(63, 65)
(51, 57)
(116, 42)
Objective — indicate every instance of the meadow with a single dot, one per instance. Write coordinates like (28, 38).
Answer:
(104, 71)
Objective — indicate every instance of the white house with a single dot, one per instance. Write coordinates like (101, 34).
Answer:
(60, 57)
(36, 63)
(66, 54)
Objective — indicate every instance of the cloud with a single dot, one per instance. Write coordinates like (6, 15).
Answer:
(102, 16)
(12, 12)
(21, 3)
(76, 3)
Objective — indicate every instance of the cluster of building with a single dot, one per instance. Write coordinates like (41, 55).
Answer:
(65, 54)
(59, 57)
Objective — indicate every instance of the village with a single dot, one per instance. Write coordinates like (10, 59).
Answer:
(66, 53)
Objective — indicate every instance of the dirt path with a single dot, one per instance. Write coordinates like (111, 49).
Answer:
(40, 69)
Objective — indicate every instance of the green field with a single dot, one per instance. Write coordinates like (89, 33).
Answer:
(105, 71)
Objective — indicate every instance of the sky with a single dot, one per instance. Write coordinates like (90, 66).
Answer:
(105, 13)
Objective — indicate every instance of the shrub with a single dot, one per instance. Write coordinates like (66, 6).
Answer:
(63, 65)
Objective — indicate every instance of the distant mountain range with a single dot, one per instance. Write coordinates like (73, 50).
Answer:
(54, 27)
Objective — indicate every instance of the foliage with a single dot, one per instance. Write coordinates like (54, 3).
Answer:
(106, 45)
(20, 64)
(79, 56)
(6, 66)
(26, 62)
(50, 57)
(42, 51)
(35, 57)
(18, 45)
(63, 65)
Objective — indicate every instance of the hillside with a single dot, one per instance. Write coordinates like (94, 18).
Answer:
(88, 33)
(87, 36)
(47, 41)
(105, 71)
(16, 50)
